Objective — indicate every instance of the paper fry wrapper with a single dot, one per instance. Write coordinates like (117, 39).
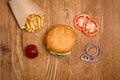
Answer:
(23, 8)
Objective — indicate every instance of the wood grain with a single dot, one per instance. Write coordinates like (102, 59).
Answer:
(15, 66)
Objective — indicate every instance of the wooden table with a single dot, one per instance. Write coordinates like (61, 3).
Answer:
(15, 66)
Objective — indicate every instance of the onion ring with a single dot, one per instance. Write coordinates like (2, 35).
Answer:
(88, 57)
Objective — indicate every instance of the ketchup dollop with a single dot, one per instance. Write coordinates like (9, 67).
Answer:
(31, 51)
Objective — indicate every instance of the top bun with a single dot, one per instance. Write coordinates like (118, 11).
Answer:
(61, 39)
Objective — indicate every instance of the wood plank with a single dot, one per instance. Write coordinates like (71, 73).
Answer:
(15, 66)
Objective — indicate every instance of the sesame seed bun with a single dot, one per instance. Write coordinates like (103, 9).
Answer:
(61, 39)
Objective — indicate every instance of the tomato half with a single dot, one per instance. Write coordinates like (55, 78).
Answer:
(90, 27)
(79, 20)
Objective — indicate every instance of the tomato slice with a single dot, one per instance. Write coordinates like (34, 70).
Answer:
(90, 27)
(79, 20)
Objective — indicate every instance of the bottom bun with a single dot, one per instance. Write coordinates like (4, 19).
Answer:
(57, 53)
(60, 54)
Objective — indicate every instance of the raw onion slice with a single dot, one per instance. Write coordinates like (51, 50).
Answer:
(89, 57)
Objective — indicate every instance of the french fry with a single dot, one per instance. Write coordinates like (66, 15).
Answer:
(39, 26)
(32, 25)
(41, 21)
(32, 18)
(34, 22)
(27, 26)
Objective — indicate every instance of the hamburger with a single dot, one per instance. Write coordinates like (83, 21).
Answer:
(60, 40)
